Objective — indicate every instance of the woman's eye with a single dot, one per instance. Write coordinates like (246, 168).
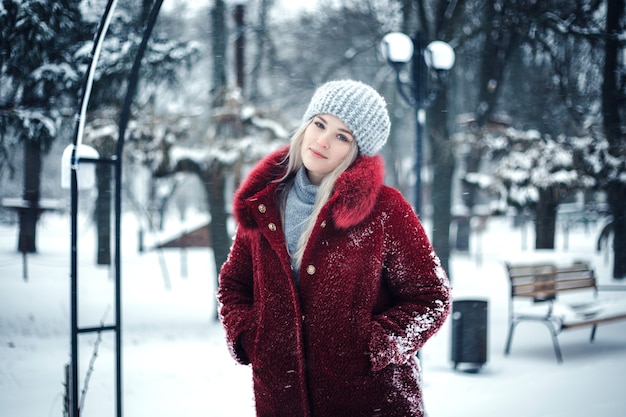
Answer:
(319, 124)
(343, 138)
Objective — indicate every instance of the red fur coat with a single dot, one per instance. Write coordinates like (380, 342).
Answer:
(372, 291)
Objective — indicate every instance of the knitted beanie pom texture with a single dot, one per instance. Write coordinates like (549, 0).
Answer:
(359, 106)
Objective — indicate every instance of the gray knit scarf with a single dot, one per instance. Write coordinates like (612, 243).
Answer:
(298, 209)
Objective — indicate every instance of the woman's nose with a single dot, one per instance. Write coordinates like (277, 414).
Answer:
(322, 140)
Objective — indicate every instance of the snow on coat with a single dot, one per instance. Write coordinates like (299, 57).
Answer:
(372, 291)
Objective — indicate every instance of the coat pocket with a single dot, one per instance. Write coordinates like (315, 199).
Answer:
(379, 347)
(245, 343)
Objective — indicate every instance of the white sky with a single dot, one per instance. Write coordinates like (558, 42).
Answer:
(282, 8)
(297, 4)
(287, 5)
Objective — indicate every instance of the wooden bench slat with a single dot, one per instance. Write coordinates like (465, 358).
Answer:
(584, 323)
(552, 287)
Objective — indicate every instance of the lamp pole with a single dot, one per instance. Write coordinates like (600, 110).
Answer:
(419, 83)
(399, 50)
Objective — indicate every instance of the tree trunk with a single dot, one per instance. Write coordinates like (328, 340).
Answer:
(218, 47)
(612, 102)
(617, 201)
(443, 162)
(27, 242)
(545, 223)
(215, 184)
(215, 179)
(443, 169)
(498, 47)
(104, 178)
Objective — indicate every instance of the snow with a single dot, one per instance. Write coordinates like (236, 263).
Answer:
(175, 359)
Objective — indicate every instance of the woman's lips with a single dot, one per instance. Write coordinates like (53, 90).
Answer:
(316, 153)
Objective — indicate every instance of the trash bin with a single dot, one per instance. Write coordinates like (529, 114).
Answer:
(469, 334)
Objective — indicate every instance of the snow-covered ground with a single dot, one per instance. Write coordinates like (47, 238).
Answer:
(175, 362)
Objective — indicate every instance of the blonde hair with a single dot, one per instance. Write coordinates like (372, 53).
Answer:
(326, 187)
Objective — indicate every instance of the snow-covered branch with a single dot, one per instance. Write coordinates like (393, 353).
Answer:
(525, 162)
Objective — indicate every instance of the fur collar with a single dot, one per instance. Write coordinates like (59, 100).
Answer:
(355, 195)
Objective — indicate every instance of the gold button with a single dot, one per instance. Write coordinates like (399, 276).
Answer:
(323, 224)
(310, 270)
(272, 227)
(262, 208)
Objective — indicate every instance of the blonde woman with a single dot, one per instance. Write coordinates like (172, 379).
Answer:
(331, 285)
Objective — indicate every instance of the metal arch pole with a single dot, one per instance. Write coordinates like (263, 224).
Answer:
(124, 117)
(74, 410)
(73, 374)
(95, 55)
(74, 400)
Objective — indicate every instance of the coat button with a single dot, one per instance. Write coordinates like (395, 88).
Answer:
(323, 224)
(310, 270)
(262, 208)
(272, 227)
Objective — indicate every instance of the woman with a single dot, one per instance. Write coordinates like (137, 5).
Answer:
(331, 285)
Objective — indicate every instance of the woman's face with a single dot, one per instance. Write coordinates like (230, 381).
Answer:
(326, 143)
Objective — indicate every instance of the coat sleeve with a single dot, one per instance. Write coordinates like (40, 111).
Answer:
(419, 287)
(235, 297)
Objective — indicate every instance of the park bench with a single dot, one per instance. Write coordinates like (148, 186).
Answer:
(541, 283)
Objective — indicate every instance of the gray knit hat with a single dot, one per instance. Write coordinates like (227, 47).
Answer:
(359, 106)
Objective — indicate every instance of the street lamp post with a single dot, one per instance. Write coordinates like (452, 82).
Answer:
(438, 57)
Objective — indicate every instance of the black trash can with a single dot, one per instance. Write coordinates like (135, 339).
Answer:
(469, 334)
